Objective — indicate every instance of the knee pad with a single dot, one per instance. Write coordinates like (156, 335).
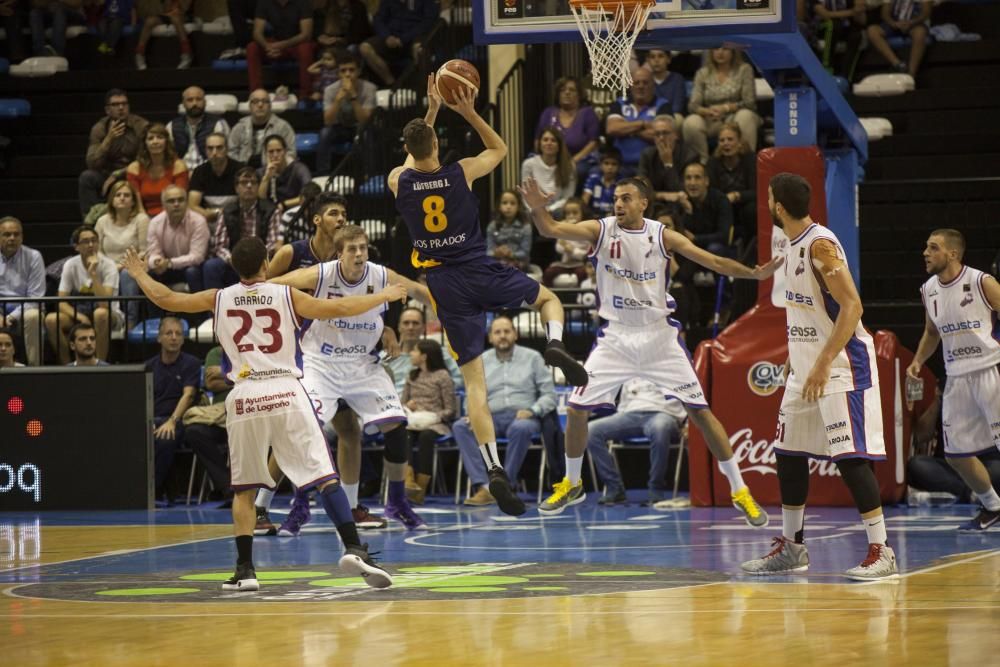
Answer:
(860, 479)
(395, 445)
(793, 479)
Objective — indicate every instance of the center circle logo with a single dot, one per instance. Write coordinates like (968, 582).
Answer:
(764, 378)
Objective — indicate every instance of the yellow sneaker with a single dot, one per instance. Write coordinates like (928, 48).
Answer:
(563, 495)
(752, 512)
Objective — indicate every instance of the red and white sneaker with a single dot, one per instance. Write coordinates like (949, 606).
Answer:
(365, 519)
(879, 564)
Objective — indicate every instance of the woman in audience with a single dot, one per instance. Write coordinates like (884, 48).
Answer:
(553, 168)
(122, 227)
(508, 236)
(568, 271)
(723, 92)
(575, 120)
(156, 167)
(429, 398)
(283, 178)
(733, 169)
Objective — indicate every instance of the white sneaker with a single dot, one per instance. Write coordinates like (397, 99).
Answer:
(185, 61)
(880, 563)
(785, 558)
(232, 54)
(140, 61)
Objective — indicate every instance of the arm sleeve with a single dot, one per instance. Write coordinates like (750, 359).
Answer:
(546, 401)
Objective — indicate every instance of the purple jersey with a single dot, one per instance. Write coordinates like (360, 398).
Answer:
(442, 216)
(302, 255)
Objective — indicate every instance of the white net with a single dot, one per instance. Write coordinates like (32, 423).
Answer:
(609, 34)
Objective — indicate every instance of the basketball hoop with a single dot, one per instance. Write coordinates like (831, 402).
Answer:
(609, 29)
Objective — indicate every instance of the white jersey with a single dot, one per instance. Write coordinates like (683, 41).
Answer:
(969, 329)
(354, 337)
(633, 272)
(810, 315)
(258, 329)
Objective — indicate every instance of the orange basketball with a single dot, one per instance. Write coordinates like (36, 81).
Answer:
(455, 74)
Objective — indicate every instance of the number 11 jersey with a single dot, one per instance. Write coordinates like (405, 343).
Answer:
(258, 330)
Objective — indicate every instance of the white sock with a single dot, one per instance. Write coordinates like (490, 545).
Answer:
(792, 522)
(264, 498)
(490, 454)
(731, 469)
(990, 500)
(554, 330)
(574, 469)
(875, 527)
(352, 493)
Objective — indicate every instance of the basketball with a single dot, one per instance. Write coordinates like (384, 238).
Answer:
(455, 74)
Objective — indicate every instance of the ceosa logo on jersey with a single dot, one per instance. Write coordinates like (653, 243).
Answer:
(758, 456)
(629, 274)
(765, 378)
(628, 303)
(967, 352)
(960, 327)
(798, 299)
(334, 350)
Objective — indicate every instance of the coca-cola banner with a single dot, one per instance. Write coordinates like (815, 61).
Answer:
(742, 374)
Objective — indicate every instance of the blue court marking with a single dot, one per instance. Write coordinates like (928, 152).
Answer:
(705, 538)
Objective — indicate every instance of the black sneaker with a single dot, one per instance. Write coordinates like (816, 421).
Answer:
(264, 525)
(501, 490)
(357, 561)
(556, 355)
(613, 495)
(244, 580)
(984, 519)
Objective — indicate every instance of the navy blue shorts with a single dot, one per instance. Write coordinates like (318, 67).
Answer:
(463, 294)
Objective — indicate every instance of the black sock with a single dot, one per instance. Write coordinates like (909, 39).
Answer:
(244, 549)
(349, 534)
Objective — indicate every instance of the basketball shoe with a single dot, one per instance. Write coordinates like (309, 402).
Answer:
(357, 561)
(983, 521)
(880, 563)
(752, 512)
(244, 580)
(297, 517)
(403, 513)
(556, 355)
(264, 525)
(563, 495)
(365, 519)
(786, 557)
(503, 493)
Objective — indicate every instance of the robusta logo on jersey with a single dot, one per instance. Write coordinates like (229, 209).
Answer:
(629, 274)
(764, 378)
(959, 327)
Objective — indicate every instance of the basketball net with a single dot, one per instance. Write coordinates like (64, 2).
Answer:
(609, 35)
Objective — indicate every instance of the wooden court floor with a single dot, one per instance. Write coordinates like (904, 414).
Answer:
(616, 586)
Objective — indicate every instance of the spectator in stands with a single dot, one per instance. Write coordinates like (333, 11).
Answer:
(241, 14)
(213, 184)
(155, 167)
(22, 276)
(630, 121)
(12, 21)
(88, 273)
(669, 86)
(723, 92)
(902, 18)
(82, 340)
(642, 412)
(840, 22)
(114, 17)
(520, 392)
(733, 170)
(176, 379)
(152, 15)
(288, 25)
(429, 399)
(347, 104)
(7, 348)
(60, 13)
(508, 235)
(249, 215)
(207, 436)
(324, 72)
(345, 24)
(575, 120)
(114, 143)
(246, 140)
(599, 190)
(399, 25)
(553, 168)
(282, 180)
(189, 130)
(710, 221)
(660, 163)
(572, 253)
(124, 226)
(412, 327)
(178, 242)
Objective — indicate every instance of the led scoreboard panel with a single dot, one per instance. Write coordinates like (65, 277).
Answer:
(76, 438)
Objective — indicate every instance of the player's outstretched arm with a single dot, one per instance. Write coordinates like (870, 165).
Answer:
(324, 309)
(536, 199)
(925, 348)
(496, 149)
(163, 296)
(303, 279)
(415, 289)
(729, 267)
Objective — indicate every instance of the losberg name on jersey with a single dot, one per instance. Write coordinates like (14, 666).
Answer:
(252, 299)
(959, 327)
(628, 274)
(432, 185)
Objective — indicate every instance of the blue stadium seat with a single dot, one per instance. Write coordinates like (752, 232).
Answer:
(148, 330)
(13, 108)
(229, 64)
(373, 187)
(306, 142)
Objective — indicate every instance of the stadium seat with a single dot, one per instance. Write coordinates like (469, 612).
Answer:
(276, 106)
(883, 85)
(148, 330)
(375, 229)
(763, 89)
(341, 185)
(14, 108)
(306, 142)
(877, 128)
(167, 30)
(40, 66)
(219, 26)
(373, 187)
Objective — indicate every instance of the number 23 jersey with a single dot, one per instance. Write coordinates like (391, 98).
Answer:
(442, 216)
(258, 329)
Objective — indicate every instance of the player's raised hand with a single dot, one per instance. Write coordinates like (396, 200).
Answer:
(767, 270)
(533, 194)
(465, 102)
(394, 293)
(433, 96)
(133, 263)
